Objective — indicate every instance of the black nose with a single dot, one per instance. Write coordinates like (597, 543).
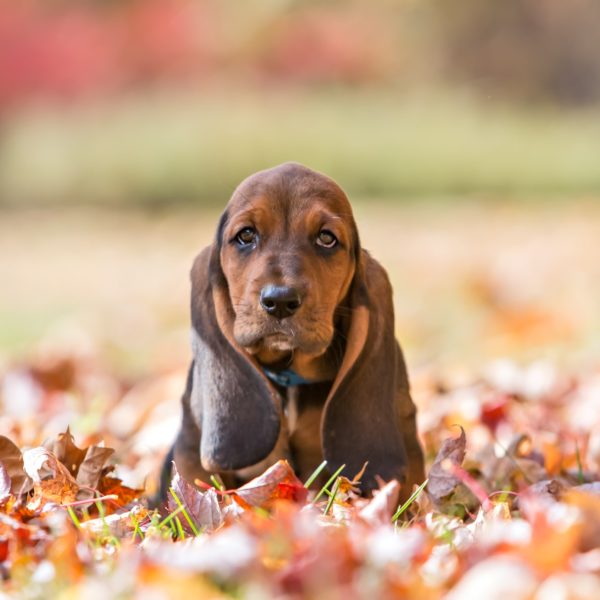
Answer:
(280, 301)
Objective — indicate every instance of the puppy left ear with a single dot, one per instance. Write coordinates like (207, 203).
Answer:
(369, 414)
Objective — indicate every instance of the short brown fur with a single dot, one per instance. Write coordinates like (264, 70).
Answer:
(357, 406)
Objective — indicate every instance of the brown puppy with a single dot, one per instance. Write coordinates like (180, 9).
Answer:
(293, 341)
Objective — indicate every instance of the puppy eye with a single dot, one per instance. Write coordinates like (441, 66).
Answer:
(326, 239)
(246, 236)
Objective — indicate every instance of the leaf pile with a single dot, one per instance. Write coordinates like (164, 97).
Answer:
(511, 509)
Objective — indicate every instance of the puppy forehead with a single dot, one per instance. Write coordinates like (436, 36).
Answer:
(289, 193)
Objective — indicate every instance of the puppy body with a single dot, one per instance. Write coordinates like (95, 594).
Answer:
(285, 291)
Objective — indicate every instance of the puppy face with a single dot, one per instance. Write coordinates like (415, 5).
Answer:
(288, 253)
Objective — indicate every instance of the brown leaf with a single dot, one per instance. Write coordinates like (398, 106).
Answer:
(550, 489)
(202, 507)
(441, 483)
(276, 483)
(4, 483)
(12, 460)
(86, 465)
(91, 469)
(64, 448)
(380, 509)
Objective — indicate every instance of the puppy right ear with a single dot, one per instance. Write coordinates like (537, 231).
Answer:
(237, 411)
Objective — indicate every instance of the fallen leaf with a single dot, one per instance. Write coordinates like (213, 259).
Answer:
(92, 467)
(382, 506)
(109, 486)
(4, 483)
(65, 450)
(12, 460)
(202, 507)
(550, 489)
(276, 483)
(86, 465)
(441, 482)
(52, 481)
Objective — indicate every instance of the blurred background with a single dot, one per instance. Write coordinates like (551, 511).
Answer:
(466, 134)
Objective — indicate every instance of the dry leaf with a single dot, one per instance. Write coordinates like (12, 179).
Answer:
(86, 465)
(5, 483)
(92, 467)
(441, 483)
(12, 460)
(109, 486)
(202, 507)
(382, 506)
(65, 450)
(276, 483)
(52, 481)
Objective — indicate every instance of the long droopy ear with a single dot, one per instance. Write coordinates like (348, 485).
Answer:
(237, 410)
(362, 420)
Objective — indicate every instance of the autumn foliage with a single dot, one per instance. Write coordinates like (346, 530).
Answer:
(511, 508)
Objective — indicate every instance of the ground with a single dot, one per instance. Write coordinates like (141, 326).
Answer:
(496, 308)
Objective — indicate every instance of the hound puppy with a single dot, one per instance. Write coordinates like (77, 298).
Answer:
(293, 342)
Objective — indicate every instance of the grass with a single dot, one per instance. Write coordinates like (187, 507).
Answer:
(404, 507)
(325, 488)
(176, 147)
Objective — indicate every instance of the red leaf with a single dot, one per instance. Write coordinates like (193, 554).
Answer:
(276, 483)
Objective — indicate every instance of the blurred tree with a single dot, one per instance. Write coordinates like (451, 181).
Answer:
(526, 49)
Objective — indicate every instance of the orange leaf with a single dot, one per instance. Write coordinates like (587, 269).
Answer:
(52, 480)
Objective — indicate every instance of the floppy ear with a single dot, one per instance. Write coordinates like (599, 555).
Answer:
(236, 409)
(362, 419)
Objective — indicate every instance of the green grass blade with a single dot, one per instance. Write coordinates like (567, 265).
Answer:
(167, 520)
(136, 529)
(315, 474)
(74, 518)
(329, 482)
(184, 512)
(334, 492)
(413, 497)
(217, 483)
(180, 531)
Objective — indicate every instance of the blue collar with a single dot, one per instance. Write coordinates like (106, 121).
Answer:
(286, 378)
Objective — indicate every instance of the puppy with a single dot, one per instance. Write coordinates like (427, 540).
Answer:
(294, 354)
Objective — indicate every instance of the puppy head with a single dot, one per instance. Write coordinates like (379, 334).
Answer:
(288, 251)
